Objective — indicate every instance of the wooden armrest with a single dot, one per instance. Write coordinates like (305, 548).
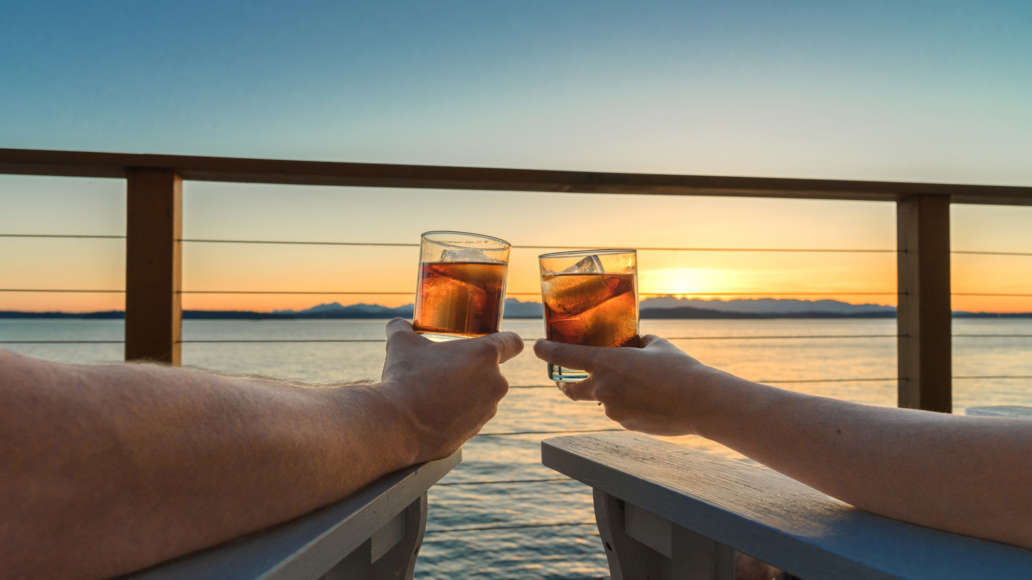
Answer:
(1000, 411)
(382, 524)
(673, 499)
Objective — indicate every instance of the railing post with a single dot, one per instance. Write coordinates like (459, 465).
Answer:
(924, 313)
(153, 265)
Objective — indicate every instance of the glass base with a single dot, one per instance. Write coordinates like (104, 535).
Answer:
(433, 337)
(566, 375)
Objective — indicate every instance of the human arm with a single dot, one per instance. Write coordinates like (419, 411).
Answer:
(105, 469)
(969, 475)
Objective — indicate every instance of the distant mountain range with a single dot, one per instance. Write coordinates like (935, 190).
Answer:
(338, 310)
(766, 306)
(659, 307)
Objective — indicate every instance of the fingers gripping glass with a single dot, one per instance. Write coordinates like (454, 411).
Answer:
(590, 298)
(461, 287)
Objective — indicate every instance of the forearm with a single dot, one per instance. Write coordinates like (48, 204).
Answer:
(963, 474)
(114, 468)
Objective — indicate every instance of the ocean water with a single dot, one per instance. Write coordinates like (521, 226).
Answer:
(486, 520)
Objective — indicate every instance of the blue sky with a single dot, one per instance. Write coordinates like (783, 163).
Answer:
(915, 91)
(880, 90)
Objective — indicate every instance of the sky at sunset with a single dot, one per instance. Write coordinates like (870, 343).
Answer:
(915, 91)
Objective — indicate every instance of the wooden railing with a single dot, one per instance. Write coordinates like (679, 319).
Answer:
(153, 238)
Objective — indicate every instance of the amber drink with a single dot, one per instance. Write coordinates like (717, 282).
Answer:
(461, 288)
(590, 298)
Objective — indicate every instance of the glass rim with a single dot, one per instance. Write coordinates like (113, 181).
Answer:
(504, 245)
(572, 253)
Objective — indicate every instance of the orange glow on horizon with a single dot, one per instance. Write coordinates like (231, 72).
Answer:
(354, 274)
(686, 282)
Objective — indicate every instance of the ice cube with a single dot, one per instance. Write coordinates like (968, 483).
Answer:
(449, 304)
(467, 255)
(570, 330)
(612, 323)
(573, 294)
(587, 265)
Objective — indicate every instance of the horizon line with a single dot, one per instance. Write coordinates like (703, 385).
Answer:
(642, 299)
(304, 313)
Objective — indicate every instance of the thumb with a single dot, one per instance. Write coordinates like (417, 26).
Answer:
(509, 344)
(568, 355)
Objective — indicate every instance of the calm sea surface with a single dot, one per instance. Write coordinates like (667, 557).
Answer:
(504, 529)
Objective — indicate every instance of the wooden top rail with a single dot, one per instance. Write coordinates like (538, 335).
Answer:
(373, 533)
(90, 164)
(675, 499)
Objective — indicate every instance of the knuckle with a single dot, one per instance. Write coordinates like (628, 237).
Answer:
(615, 413)
(485, 349)
(500, 387)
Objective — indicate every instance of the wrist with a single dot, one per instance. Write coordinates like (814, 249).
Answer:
(394, 428)
(404, 421)
(710, 404)
(733, 405)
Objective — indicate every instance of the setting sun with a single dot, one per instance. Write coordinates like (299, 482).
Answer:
(681, 282)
